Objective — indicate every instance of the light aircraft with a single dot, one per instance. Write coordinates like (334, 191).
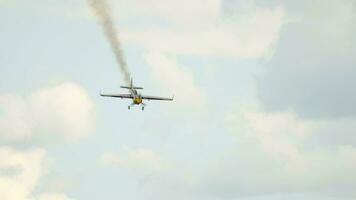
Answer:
(137, 98)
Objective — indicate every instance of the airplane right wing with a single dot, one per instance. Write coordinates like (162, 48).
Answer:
(156, 98)
(122, 96)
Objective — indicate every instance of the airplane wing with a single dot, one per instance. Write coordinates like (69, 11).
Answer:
(156, 98)
(126, 96)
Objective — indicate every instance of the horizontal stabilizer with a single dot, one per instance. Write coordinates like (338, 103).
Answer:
(134, 87)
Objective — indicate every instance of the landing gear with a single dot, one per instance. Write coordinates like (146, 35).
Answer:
(143, 106)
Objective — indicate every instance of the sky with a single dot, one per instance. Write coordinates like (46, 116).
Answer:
(263, 110)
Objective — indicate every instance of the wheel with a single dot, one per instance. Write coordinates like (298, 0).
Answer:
(129, 107)
(143, 108)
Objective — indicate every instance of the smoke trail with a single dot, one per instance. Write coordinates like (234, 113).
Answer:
(102, 11)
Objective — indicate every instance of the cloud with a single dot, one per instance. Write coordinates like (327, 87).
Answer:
(27, 170)
(62, 112)
(274, 156)
(156, 177)
(312, 70)
(195, 27)
(14, 122)
(4, 3)
(66, 8)
(278, 134)
(184, 13)
(324, 173)
(207, 32)
(172, 76)
(53, 197)
(20, 172)
(335, 132)
(142, 161)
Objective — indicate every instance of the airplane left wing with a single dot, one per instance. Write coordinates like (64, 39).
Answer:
(126, 96)
(156, 98)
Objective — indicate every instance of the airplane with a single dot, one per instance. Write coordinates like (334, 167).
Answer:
(137, 98)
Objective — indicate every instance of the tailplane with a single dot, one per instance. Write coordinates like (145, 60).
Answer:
(132, 86)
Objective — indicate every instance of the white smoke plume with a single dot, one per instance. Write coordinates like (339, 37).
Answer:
(102, 11)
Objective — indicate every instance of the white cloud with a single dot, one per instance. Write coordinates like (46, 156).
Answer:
(187, 27)
(141, 160)
(176, 78)
(61, 112)
(53, 197)
(20, 172)
(13, 118)
(274, 156)
(72, 9)
(5, 2)
(185, 13)
(241, 35)
(336, 132)
(313, 67)
(278, 134)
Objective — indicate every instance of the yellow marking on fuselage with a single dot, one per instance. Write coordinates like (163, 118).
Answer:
(137, 100)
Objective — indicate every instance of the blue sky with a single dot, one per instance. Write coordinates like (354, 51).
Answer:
(263, 104)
